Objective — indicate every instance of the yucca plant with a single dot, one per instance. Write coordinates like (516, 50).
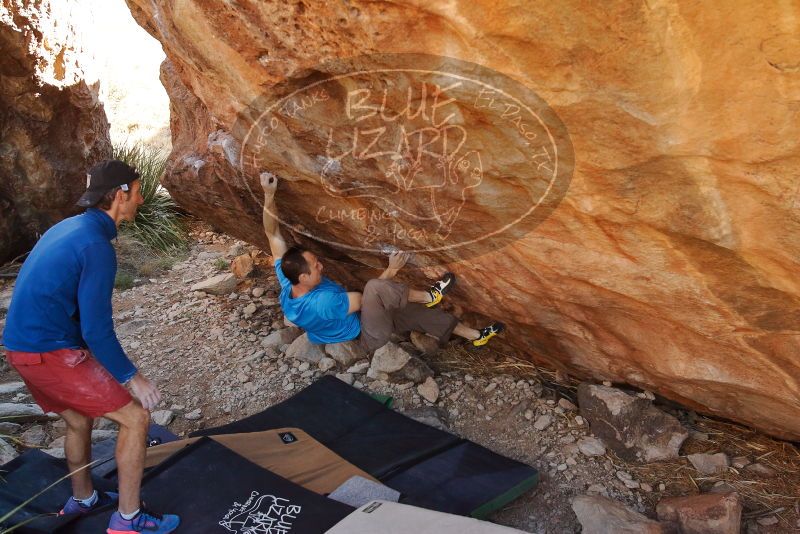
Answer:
(157, 224)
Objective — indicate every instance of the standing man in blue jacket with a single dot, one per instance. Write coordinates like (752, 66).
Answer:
(60, 337)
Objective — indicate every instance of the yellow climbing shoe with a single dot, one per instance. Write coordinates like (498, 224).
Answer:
(488, 333)
(439, 289)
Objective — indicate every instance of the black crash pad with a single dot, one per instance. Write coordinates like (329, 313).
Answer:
(459, 477)
(29, 474)
(327, 409)
(213, 489)
(396, 449)
(156, 435)
(351, 423)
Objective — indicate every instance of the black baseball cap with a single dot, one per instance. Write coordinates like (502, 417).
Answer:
(104, 177)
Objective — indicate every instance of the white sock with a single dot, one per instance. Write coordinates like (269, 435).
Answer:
(88, 501)
(128, 517)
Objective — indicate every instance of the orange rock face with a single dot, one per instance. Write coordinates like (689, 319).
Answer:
(616, 181)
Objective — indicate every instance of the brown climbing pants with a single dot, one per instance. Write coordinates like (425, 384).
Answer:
(385, 310)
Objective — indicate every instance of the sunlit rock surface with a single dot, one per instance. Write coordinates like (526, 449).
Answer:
(671, 129)
(52, 126)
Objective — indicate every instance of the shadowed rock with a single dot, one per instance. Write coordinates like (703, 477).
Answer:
(304, 350)
(709, 464)
(346, 353)
(601, 515)
(634, 428)
(711, 513)
(52, 125)
(281, 337)
(393, 363)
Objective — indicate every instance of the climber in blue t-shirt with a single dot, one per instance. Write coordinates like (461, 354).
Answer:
(330, 314)
(324, 311)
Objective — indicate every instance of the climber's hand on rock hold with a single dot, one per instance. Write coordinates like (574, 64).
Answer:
(269, 182)
(277, 245)
(398, 259)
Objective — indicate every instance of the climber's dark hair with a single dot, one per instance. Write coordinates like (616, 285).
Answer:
(293, 264)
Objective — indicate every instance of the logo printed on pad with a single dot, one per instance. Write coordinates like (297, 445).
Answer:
(372, 507)
(287, 437)
(261, 514)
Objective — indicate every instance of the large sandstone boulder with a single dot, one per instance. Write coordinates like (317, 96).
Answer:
(52, 125)
(637, 160)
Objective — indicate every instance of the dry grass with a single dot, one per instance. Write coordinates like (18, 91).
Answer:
(10, 269)
(778, 495)
(491, 361)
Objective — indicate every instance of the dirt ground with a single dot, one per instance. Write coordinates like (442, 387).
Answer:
(205, 353)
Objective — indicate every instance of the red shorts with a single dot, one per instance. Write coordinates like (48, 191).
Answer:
(69, 379)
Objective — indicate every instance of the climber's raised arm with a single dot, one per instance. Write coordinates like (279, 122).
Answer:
(277, 245)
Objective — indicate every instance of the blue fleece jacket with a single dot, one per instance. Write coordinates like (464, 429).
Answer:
(62, 298)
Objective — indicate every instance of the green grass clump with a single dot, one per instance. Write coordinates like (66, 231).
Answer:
(137, 260)
(158, 264)
(124, 280)
(158, 223)
(221, 264)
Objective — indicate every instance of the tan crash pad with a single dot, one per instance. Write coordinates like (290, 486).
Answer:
(288, 452)
(394, 518)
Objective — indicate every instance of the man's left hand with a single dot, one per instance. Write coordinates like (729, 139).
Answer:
(398, 259)
(145, 391)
